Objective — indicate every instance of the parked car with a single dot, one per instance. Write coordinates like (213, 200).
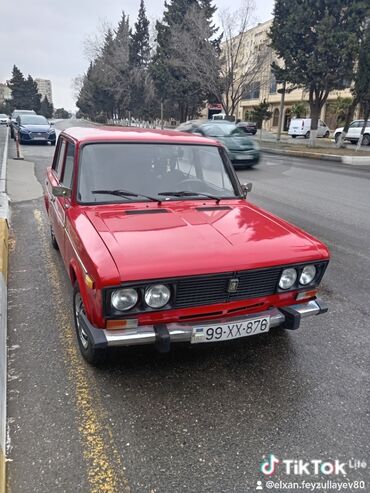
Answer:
(3, 119)
(248, 127)
(222, 117)
(34, 129)
(161, 245)
(354, 132)
(301, 127)
(13, 119)
(243, 151)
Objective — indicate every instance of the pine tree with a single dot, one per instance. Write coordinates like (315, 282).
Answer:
(17, 85)
(32, 95)
(139, 40)
(46, 108)
(183, 96)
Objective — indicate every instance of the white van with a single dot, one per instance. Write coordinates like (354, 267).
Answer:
(219, 116)
(301, 127)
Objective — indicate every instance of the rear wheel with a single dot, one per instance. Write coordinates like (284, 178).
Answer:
(366, 140)
(326, 136)
(91, 354)
(294, 136)
(337, 135)
(307, 136)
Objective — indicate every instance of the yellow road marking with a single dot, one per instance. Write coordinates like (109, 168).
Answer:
(97, 438)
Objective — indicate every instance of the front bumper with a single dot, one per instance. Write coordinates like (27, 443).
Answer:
(162, 335)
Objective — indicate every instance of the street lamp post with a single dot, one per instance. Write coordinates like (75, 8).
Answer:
(282, 100)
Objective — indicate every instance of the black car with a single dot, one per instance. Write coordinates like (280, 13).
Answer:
(242, 150)
(248, 127)
(34, 128)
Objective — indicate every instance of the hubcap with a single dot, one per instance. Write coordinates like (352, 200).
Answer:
(79, 310)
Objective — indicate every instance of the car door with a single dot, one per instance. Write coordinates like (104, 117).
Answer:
(354, 130)
(56, 212)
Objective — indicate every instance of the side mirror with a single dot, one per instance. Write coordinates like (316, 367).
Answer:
(51, 123)
(246, 188)
(60, 191)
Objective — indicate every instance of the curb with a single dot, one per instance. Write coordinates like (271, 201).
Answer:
(4, 231)
(3, 334)
(351, 160)
(307, 155)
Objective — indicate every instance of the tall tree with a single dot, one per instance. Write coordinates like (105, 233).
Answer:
(228, 70)
(33, 97)
(18, 88)
(139, 40)
(46, 108)
(361, 88)
(317, 42)
(182, 96)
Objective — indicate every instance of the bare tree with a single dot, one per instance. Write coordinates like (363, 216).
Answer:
(229, 71)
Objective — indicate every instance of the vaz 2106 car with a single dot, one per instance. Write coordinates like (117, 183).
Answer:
(161, 245)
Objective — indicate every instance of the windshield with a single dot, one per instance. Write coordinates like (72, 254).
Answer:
(222, 130)
(151, 170)
(33, 120)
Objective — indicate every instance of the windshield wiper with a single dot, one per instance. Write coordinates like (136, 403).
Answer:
(125, 193)
(185, 193)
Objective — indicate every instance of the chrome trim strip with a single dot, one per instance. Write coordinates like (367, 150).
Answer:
(181, 332)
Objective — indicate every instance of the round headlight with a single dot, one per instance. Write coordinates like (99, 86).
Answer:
(124, 299)
(308, 275)
(288, 278)
(157, 296)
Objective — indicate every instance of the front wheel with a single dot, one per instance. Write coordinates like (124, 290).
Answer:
(91, 354)
(307, 136)
(326, 135)
(53, 239)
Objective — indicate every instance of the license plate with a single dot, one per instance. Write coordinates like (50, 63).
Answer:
(226, 332)
(244, 157)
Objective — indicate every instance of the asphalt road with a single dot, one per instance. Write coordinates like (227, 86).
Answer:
(200, 419)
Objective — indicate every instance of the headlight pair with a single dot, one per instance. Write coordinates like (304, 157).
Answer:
(289, 276)
(155, 296)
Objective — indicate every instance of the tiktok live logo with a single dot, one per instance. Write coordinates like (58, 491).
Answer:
(300, 467)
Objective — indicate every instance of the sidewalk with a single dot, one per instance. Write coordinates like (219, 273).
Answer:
(325, 149)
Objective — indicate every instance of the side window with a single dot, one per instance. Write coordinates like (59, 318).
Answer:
(68, 166)
(59, 158)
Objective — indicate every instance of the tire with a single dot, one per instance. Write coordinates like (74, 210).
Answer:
(294, 136)
(53, 239)
(326, 135)
(307, 136)
(366, 140)
(94, 356)
(337, 135)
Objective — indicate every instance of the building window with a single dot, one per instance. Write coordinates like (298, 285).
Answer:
(252, 91)
(275, 119)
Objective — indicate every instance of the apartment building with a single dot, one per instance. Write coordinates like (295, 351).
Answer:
(44, 88)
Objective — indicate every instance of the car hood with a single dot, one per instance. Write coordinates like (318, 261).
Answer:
(199, 239)
(237, 143)
(36, 128)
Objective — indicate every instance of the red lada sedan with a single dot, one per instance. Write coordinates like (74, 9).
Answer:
(161, 245)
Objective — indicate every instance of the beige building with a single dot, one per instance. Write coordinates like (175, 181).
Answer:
(5, 93)
(265, 86)
(44, 88)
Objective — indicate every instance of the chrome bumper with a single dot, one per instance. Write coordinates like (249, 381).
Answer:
(288, 317)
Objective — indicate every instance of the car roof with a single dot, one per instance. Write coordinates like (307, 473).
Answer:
(133, 134)
(25, 112)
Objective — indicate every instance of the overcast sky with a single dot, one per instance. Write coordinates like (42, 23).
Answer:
(45, 38)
